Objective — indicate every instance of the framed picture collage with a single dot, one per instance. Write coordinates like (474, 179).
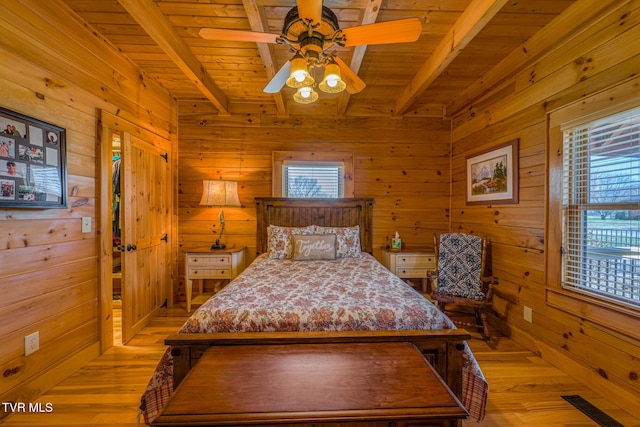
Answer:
(32, 163)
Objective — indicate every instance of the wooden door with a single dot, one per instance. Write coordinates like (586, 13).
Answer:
(146, 194)
(145, 207)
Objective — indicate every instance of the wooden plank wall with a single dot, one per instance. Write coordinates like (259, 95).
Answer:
(403, 163)
(49, 279)
(601, 53)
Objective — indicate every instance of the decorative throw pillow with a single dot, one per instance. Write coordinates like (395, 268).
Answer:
(313, 247)
(348, 240)
(278, 240)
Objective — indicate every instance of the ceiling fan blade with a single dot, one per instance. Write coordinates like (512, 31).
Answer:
(237, 35)
(310, 10)
(278, 81)
(354, 83)
(399, 31)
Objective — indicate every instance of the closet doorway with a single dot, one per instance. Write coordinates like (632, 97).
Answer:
(116, 230)
(135, 199)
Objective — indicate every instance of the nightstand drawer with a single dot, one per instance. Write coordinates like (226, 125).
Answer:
(411, 273)
(209, 261)
(409, 261)
(209, 273)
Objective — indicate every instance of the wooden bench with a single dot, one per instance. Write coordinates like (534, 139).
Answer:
(363, 384)
(443, 348)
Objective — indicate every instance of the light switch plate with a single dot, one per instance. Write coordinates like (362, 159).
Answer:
(86, 224)
(31, 343)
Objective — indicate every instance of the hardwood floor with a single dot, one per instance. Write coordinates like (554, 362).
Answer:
(107, 391)
(524, 390)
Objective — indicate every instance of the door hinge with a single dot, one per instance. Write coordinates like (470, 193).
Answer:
(165, 156)
(165, 238)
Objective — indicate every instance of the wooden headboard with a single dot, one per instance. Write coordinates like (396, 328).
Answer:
(288, 212)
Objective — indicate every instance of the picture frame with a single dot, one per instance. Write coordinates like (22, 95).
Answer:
(492, 175)
(33, 163)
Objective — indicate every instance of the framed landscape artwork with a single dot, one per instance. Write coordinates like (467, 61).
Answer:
(32, 163)
(492, 175)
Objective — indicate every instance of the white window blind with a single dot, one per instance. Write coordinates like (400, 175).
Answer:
(312, 180)
(601, 208)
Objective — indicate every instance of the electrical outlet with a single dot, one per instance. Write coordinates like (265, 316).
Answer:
(86, 224)
(528, 314)
(31, 343)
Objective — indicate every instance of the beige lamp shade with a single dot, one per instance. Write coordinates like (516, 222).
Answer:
(219, 193)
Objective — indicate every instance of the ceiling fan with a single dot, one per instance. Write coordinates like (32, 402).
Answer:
(311, 30)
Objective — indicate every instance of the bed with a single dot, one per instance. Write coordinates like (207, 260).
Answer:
(285, 297)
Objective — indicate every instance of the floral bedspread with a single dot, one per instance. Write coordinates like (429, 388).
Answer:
(337, 295)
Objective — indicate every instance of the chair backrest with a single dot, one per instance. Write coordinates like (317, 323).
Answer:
(460, 263)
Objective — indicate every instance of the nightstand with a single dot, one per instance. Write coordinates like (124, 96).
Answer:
(224, 264)
(410, 263)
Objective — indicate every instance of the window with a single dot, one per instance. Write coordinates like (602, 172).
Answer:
(312, 175)
(311, 179)
(601, 208)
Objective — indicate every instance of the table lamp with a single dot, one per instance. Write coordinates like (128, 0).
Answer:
(219, 193)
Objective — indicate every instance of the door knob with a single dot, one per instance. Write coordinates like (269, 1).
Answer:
(131, 247)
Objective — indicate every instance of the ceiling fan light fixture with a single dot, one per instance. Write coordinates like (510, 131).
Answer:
(332, 82)
(310, 29)
(305, 95)
(299, 75)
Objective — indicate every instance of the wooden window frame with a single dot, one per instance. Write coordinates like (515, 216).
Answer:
(279, 158)
(609, 313)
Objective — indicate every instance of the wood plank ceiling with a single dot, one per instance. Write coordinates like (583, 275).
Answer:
(461, 40)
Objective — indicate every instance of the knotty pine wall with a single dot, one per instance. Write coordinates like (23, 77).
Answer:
(49, 278)
(403, 163)
(603, 52)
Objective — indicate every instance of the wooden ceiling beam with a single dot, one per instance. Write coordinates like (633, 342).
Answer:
(151, 19)
(258, 22)
(478, 14)
(369, 16)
